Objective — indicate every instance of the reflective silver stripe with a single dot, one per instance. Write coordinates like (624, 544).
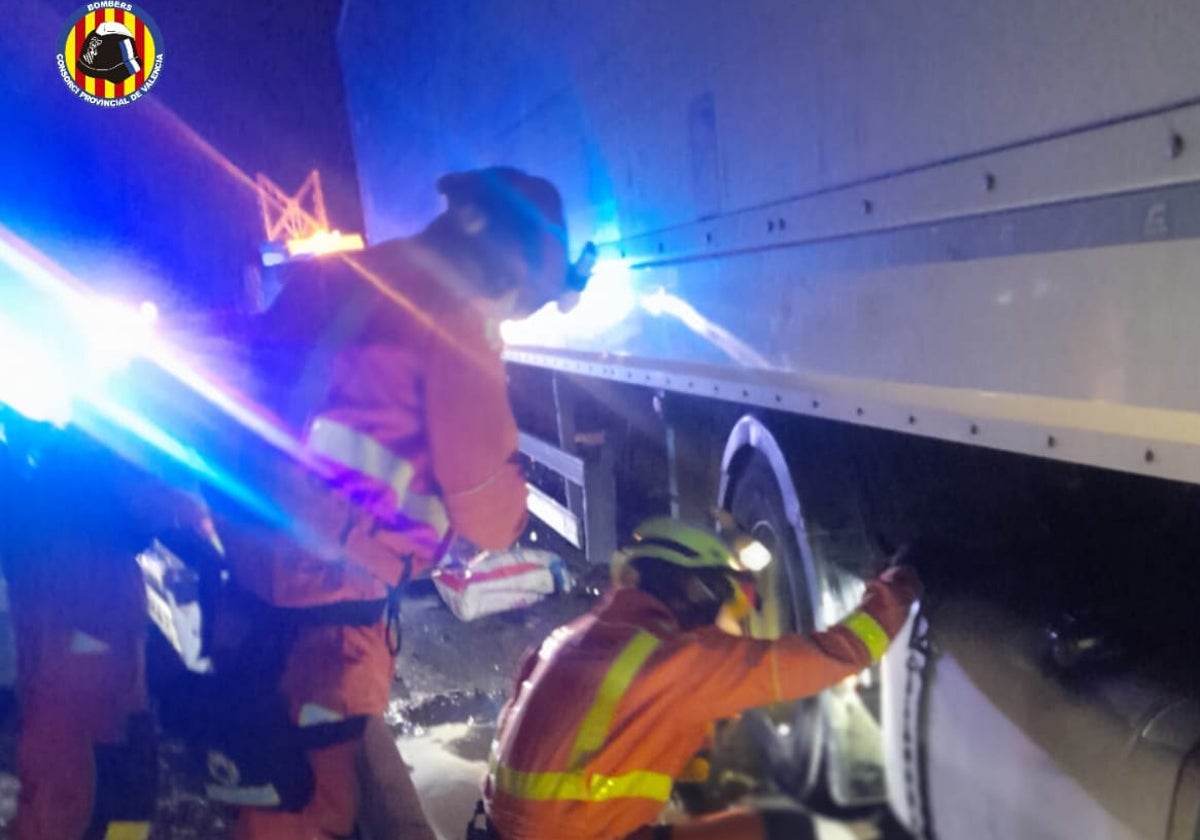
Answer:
(360, 452)
(83, 644)
(260, 796)
(427, 509)
(364, 454)
(312, 714)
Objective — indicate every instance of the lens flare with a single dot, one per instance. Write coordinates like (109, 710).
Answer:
(607, 301)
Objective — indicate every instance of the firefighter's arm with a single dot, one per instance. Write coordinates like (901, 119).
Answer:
(472, 434)
(740, 673)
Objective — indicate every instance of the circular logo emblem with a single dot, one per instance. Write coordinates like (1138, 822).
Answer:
(111, 53)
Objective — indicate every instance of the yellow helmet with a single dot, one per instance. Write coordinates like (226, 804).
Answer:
(689, 547)
(663, 538)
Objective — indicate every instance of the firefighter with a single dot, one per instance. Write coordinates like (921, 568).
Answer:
(75, 516)
(612, 707)
(387, 365)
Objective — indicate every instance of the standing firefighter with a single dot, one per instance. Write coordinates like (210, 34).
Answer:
(610, 710)
(75, 517)
(387, 364)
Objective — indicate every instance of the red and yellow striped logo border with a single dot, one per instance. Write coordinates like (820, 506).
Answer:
(147, 47)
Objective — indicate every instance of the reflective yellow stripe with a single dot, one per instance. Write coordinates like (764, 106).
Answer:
(583, 787)
(364, 454)
(594, 728)
(576, 783)
(127, 831)
(869, 632)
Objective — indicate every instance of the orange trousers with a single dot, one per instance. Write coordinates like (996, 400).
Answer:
(343, 672)
(332, 813)
(363, 783)
(346, 671)
(75, 692)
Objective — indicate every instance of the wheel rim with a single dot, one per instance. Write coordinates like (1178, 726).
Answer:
(793, 754)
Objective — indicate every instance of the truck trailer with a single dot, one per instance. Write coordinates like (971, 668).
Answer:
(870, 275)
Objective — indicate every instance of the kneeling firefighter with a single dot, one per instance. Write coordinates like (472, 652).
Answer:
(386, 364)
(609, 711)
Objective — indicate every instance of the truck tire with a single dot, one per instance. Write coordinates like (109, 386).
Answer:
(827, 750)
(787, 737)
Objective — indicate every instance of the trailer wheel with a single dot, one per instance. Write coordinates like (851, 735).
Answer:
(784, 740)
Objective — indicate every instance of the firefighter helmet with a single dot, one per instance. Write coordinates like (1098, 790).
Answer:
(521, 214)
(691, 570)
(110, 53)
(683, 545)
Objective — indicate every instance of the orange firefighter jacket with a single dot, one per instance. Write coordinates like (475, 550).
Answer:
(392, 378)
(613, 706)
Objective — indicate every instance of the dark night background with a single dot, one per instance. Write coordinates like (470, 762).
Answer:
(128, 199)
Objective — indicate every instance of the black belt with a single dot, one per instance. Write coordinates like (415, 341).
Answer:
(350, 613)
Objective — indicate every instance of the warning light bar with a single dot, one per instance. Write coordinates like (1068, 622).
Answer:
(324, 242)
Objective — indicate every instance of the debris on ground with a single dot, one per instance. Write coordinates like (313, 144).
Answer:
(441, 655)
(499, 581)
(414, 719)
